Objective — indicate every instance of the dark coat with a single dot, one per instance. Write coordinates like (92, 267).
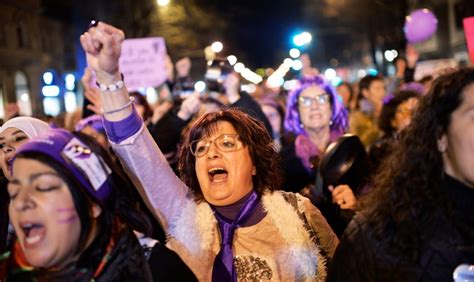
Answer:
(4, 219)
(362, 257)
(295, 175)
(124, 262)
(166, 265)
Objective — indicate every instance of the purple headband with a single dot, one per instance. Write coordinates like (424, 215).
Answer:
(88, 168)
(339, 113)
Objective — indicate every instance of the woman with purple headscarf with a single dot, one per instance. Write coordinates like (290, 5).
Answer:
(315, 117)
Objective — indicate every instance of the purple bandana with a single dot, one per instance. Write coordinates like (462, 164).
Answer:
(223, 269)
(88, 168)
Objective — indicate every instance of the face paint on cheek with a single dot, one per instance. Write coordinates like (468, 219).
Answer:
(71, 218)
(68, 220)
(65, 209)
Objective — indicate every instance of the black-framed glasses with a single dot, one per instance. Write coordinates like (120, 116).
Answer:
(321, 99)
(224, 143)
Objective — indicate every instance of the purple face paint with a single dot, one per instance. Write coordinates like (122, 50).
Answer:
(65, 209)
(68, 220)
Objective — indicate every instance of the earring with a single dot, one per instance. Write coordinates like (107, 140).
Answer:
(330, 122)
(301, 125)
(254, 171)
(441, 148)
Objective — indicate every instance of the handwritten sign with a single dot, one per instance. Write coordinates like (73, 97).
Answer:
(469, 32)
(142, 62)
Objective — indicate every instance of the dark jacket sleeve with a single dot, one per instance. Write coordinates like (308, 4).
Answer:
(4, 219)
(247, 104)
(167, 131)
(295, 176)
(353, 260)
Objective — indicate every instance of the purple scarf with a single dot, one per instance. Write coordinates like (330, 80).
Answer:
(305, 149)
(223, 269)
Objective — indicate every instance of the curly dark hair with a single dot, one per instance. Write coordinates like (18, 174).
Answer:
(407, 194)
(251, 132)
(390, 109)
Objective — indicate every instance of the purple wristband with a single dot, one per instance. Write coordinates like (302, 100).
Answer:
(118, 131)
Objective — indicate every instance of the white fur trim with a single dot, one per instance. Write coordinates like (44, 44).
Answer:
(304, 253)
(194, 228)
(196, 225)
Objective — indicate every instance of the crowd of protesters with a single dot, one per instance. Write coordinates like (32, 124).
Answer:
(369, 181)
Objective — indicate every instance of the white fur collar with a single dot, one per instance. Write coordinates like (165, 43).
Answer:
(195, 228)
(305, 254)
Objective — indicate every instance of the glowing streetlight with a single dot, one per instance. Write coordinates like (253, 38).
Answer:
(163, 2)
(302, 38)
(200, 86)
(297, 65)
(330, 74)
(294, 53)
(216, 47)
(48, 77)
(239, 67)
(232, 59)
(390, 55)
(287, 62)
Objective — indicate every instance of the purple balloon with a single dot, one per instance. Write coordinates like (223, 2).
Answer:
(420, 25)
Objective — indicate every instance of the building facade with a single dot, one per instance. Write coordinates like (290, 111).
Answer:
(30, 45)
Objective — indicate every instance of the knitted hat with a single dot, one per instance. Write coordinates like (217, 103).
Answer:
(86, 166)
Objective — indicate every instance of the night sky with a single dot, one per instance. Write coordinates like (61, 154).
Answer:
(263, 29)
(258, 32)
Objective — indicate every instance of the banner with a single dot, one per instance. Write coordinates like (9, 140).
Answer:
(469, 32)
(142, 62)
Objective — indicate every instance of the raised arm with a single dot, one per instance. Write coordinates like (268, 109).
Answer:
(130, 139)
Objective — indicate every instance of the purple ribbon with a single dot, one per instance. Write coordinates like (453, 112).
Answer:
(223, 269)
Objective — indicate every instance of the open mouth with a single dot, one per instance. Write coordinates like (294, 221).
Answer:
(217, 174)
(9, 162)
(34, 233)
(316, 115)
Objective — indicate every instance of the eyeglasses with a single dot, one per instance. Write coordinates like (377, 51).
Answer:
(225, 143)
(321, 99)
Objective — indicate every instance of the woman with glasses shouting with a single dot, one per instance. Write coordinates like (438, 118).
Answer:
(315, 117)
(223, 217)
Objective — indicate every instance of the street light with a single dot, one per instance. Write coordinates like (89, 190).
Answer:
(232, 59)
(239, 67)
(216, 47)
(163, 2)
(296, 65)
(330, 74)
(390, 55)
(294, 53)
(199, 86)
(302, 38)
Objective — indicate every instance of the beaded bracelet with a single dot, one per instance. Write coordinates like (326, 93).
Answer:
(112, 87)
(121, 108)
